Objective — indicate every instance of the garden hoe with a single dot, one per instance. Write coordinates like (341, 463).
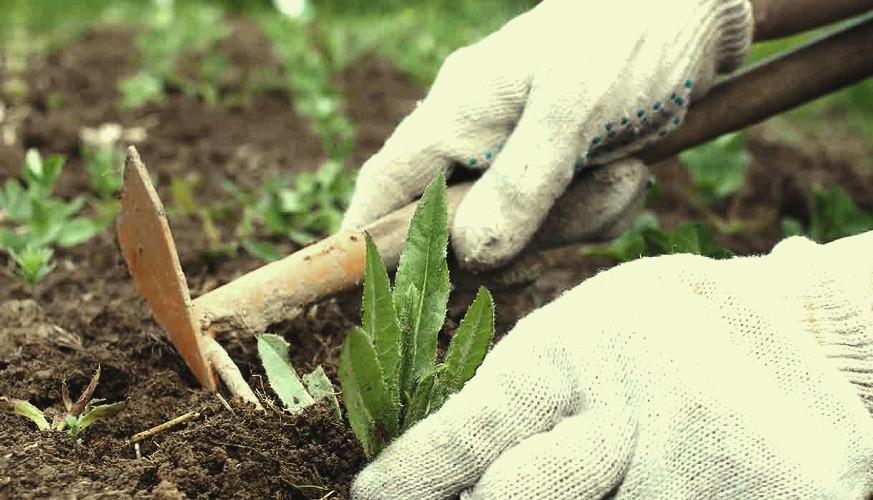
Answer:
(280, 290)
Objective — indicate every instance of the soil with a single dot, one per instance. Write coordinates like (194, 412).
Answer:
(88, 313)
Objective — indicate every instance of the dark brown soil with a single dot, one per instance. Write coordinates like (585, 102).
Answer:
(88, 313)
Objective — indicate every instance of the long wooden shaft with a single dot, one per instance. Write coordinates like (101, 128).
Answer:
(782, 18)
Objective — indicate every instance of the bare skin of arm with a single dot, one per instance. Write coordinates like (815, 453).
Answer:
(781, 18)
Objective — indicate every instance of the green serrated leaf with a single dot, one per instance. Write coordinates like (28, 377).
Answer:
(24, 409)
(467, 348)
(373, 414)
(379, 319)
(273, 351)
(320, 387)
(41, 219)
(422, 279)
(420, 404)
(60, 210)
(403, 305)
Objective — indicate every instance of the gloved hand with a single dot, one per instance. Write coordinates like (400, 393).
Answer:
(568, 84)
(668, 377)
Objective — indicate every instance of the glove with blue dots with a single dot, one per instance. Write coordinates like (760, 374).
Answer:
(567, 85)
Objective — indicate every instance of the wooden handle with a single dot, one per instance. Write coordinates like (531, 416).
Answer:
(781, 18)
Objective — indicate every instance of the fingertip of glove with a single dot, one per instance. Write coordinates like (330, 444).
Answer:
(480, 250)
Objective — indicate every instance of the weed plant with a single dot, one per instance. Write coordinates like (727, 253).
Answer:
(387, 367)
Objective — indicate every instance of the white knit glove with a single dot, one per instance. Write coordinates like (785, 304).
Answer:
(670, 377)
(568, 84)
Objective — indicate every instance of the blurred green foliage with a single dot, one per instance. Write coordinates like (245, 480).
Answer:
(33, 221)
(417, 36)
(171, 32)
(718, 168)
(646, 239)
(834, 215)
(855, 103)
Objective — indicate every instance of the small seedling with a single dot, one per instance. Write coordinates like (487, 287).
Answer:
(32, 220)
(294, 394)
(32, 263)
(77, 416)
(387, 366)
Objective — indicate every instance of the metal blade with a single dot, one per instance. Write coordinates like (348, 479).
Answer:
(151, 257)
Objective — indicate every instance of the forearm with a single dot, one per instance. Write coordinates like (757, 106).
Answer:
(781, 18)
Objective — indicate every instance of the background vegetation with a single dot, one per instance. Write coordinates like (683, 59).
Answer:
(318, 39)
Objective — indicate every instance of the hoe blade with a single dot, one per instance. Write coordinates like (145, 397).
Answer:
(151, 257)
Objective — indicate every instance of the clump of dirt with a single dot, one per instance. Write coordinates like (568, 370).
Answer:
(88, 313)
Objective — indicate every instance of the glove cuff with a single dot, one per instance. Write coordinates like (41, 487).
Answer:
(735, 27)
(836, 291)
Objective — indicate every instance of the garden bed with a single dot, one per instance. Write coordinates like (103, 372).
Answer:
(87, 311)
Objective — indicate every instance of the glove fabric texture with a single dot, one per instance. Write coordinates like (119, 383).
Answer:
(674, 377)
(569, 84)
